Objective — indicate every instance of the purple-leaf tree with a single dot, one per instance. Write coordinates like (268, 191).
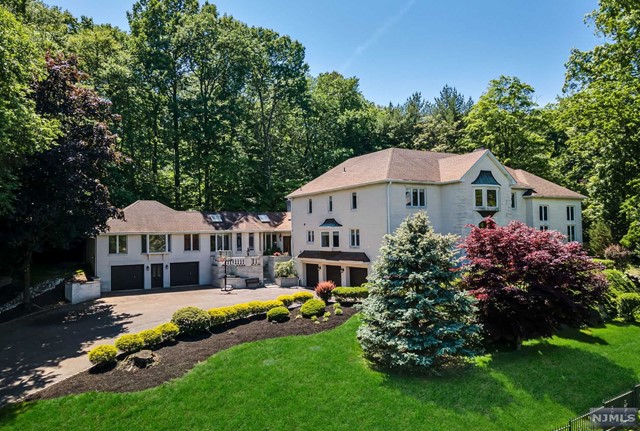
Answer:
(528, 282)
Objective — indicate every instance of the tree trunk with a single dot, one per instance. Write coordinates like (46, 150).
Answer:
(26, 294)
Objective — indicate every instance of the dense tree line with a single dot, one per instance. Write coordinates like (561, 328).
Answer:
(215, 114)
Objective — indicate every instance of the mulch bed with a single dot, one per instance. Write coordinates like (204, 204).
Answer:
(177, 359)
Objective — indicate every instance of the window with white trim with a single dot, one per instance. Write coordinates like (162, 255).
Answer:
(311, 237)
(156, 243)
(310, 206)
(416, 197)
(324, 239)
(270, 241)
(191, 242)
(252, 241)
(336, 239)
(544, 227)
(571, 213)
(514, 200)
(486, 197)
(354, 201)
(543, 213)
(330, 203)
(117, 244)
(571, 233)
(238, 242)
(354, 238)
(221, 242)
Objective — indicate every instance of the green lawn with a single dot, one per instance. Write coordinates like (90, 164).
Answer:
(321, 382)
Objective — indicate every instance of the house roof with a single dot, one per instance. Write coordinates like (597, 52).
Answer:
(350, 256)
(399, 164)
(145, 216)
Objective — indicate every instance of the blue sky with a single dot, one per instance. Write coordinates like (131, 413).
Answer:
(398, 47)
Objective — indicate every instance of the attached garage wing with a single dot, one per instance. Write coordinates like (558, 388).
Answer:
(185, 274)
(127, 277)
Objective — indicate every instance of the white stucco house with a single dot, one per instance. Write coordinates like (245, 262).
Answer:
(155, 246)
(340, 218)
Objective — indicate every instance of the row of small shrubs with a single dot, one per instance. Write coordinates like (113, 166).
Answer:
(221, 315)
(130, 343)
(350, 294)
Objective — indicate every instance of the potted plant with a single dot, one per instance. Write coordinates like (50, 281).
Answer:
(286, 274)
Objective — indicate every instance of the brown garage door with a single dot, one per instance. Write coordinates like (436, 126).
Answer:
(312, 274)
(185, 274)
(357, 276)
(333, 274)
(127, 277)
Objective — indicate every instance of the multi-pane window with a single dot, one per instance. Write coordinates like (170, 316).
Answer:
(543, 212)
(354, 235)
(191, 242)
(221, 242)
(544, 227)
(486, 198)
(324, 239)
(571, 233)
(310, 206)
(311, 236)
(330, 203)
(156, 243)
(354, 201)
(514, 200)
(416, 198)
(336, 239)
(571, 213)
(117, 244)
(270, 241)
(252, 242)
(238, 242)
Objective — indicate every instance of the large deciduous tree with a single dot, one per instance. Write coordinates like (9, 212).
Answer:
(414, 316)
(528, 282)
(61, 196)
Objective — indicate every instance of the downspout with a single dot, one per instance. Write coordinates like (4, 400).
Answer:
(388, 208)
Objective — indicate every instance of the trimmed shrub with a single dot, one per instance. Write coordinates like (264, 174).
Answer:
(350, 294)
(286, 269)
(191, 320)
(324, 290)
(618, 254)
(287, 300)
(617, 284)
(129, 343)
(102, 355)
(302, 297)
(150, 337)
(278, 314)
(629, 306)
(218, 316)
(608, 264)
(338, 312)
(221, 315)
(313, 307)
(168, 331)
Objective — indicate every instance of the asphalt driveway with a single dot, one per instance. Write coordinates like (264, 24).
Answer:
(39, 350)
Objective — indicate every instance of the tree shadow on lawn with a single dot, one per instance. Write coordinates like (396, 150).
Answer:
(572, 378)
(581, 335)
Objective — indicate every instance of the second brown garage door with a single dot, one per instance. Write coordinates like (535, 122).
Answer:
(185, 274)
(357, 276)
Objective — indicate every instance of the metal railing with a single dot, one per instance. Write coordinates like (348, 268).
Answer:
(583, 423)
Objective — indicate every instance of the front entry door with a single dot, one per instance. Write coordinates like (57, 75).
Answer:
(157, 275)
(334, 274)
(312, 275)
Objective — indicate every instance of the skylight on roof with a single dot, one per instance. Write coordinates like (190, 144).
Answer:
(264, 218)
(216, 218)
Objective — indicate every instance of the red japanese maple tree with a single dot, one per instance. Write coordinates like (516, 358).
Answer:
(528, 282)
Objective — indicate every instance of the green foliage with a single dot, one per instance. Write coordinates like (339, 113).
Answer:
(629, 306)
(278, 314)
(600, 237)
(608, 264)
(286, 269)
(617, 284)
(191, 320)
(150, 337)
(102, 355)
(338, 312)
(313, 307)
(302, 297)
(169, 331)
(129, 343)
(287, 300)
(619, 255)
(413, 317)
(221, 315)
(350, 294)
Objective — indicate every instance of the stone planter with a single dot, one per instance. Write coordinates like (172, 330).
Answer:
(287, 281)
(82, 292)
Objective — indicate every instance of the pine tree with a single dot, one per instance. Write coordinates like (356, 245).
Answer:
(415, 318)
